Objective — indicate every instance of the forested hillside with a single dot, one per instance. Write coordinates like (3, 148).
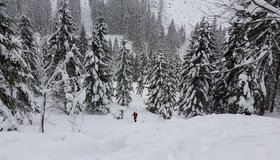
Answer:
(49, 60)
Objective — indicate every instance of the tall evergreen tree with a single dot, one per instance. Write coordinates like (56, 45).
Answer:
(259, 64)
(196, 89)
(97, 99)
(26, 36)
(99, 84)
(229, 94)
(15, 104)
(153, 36)
(162, 90)
(181, 35)
(83, 42)
(107, 76)
(114, 56)
(124, 76)
(171, 37)
(142, 76)
(63, 58)
(263, 35)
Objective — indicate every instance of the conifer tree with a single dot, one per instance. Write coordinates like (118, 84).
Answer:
(181, 35)
(29, 53)
(162, 90)
(98, 83)
(107, 75)
(151, 60)
(142, 78)
(27, 42)
(154, 35)
(83, 42)
(263, 35)
(115, 48)
(124, 76)
(196, 80)
(97, 99)
(64, 59)
(247, 64)
(15, 106)
(114, 56)
(171, 37)
(229, 88)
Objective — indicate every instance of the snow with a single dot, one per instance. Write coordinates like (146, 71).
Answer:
(264, 4)
(54, 4)
(186, 12)
(86, 16)
(213, 137)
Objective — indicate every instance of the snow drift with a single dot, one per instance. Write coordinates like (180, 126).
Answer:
(214, 137)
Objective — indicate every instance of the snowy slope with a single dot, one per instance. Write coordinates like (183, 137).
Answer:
(186, 12)
(216, 137)
(213, 137)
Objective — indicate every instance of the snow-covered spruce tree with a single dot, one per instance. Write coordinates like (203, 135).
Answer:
(63, 58)
(249, 80)
(124, 76)
(83, 42)
(114, 57)
(162, 90)
(230, 94)
(29, 52)
(196, 87)
(142, 76)
(176, 66)
(97, 97)
(107, 75)
(15, 104)
(115, 48)
(263, 36)
(151, 60)
(27, 42)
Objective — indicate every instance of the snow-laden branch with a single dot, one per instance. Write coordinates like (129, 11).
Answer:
(267, 6)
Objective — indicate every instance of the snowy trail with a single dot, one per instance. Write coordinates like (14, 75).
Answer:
(216, 137)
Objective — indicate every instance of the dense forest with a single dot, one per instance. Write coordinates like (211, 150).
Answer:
(49, 61)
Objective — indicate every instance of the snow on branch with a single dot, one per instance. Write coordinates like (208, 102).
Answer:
(263, 4)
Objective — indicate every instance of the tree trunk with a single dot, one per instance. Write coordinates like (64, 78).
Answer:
(275, 85)
(43, 111)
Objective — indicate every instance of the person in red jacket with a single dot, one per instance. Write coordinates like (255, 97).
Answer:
(134, 116)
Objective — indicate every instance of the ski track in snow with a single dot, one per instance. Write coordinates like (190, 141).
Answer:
(213, 137)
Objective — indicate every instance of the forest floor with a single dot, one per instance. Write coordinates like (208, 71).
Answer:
(213, 137)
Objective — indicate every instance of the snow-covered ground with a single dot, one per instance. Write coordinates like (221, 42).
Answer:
(213, 137)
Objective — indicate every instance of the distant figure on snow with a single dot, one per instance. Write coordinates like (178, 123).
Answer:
(134, 116)
(120, 115)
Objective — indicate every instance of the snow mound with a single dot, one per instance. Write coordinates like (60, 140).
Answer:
(214, 137)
